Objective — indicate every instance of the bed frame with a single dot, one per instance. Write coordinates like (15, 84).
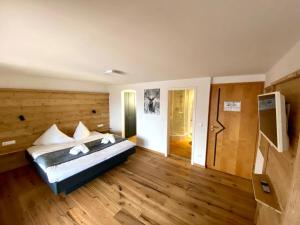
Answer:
(77, 180)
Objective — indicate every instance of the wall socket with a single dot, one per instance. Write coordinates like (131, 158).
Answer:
(100, 125)
(6, 143)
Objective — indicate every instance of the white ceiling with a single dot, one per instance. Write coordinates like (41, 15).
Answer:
(149, 40)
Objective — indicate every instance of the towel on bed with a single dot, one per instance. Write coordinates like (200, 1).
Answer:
(108, 138)
(79, 148)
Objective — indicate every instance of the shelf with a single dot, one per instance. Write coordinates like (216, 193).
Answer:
(267, 199)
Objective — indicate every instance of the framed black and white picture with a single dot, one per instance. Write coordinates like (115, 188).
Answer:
(152, 101)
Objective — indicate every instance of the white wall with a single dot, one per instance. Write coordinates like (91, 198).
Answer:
(289, 63)
(152, 129)
(11, 80)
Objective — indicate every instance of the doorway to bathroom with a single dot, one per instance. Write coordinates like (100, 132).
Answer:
(180, 122)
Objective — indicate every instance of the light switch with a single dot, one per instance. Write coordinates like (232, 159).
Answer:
(6, 143)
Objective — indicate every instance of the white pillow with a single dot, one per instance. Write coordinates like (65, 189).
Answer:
(53, 136)
(81, 132)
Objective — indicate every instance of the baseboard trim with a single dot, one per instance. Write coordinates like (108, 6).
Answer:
(150, 150)
(199, 166)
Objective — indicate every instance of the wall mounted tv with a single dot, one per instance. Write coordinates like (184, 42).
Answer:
(273, 120)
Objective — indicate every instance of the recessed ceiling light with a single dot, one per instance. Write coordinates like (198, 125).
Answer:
(114, 72)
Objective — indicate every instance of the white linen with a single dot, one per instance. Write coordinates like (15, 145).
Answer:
(53, 136)
(79, 148)
(75, 150)
(65, 170)
(36, 151)
(81, 132)
(108, 138)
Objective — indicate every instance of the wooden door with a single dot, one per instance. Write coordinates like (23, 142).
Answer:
(232, 129)
(130, 114)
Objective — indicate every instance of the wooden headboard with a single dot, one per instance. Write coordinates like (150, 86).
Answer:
(41, 109)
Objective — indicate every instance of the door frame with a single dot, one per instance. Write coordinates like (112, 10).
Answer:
(193, 150)
(123, 108)
(208, 120)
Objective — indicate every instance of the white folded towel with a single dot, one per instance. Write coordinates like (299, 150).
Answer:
(75, 150)
(84, 149)
(111, 138)
(108, 138)
(104, 140)
(79, 148)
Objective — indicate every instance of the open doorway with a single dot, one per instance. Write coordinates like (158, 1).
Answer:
(129, 99)
(180, 118)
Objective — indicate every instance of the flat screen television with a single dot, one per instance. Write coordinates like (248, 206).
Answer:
(273, 120)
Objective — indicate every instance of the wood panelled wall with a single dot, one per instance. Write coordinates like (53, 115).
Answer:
(282, 167)
(41, 109)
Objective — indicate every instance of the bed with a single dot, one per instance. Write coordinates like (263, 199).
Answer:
(69, 175)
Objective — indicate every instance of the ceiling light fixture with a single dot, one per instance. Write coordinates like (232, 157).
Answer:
(114, 72)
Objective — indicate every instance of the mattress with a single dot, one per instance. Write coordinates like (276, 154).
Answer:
(62, 171)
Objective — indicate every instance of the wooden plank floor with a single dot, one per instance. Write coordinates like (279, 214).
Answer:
(147, 189)
(181, 147)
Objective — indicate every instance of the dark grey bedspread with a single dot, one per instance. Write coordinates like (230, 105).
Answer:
(61, 156)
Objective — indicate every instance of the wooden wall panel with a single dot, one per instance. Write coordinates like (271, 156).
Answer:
(281, 166)
(268, 216)
(44, 108)
(280, 170)
(291, 215)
